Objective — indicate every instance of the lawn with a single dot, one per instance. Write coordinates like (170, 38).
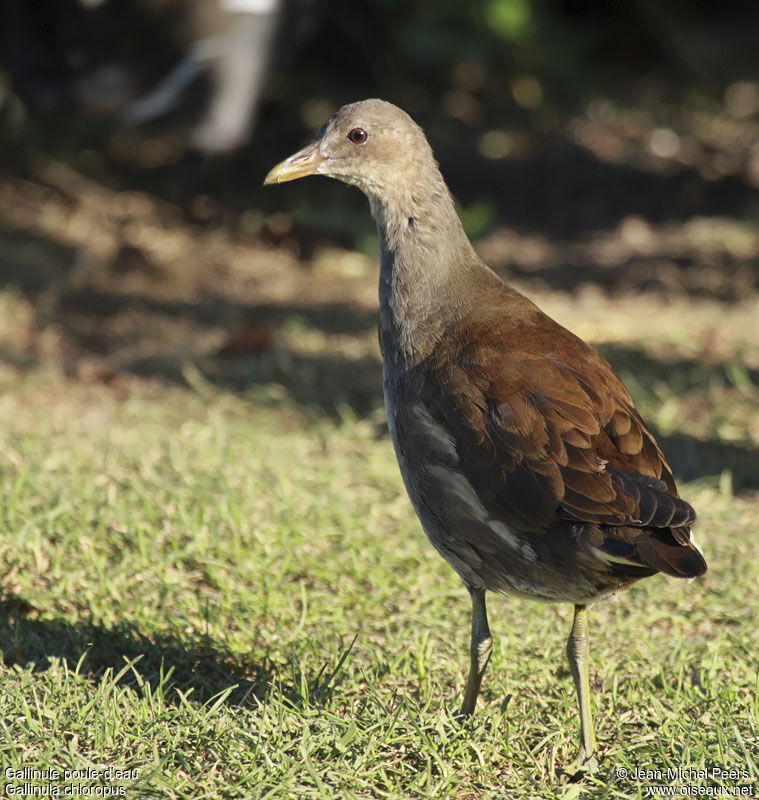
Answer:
(213, 583)
(227, 594)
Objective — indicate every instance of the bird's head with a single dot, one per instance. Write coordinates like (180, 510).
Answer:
(371, 144)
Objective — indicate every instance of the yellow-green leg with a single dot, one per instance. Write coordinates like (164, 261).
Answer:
(577, 652)
(481, 648)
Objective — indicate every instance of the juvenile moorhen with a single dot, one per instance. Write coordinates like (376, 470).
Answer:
(522, 452)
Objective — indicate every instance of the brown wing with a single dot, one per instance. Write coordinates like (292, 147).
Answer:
(546, 430)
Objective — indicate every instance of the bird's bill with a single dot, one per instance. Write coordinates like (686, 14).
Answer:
(298, 165)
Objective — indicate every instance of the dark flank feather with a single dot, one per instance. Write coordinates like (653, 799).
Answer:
(543, 441)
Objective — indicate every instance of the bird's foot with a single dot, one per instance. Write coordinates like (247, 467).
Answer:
(584, 766)
(588, 763)
(462, 716)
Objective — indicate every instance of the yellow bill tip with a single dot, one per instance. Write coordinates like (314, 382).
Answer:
(299, 165)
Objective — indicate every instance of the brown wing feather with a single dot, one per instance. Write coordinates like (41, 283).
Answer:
(555, 436)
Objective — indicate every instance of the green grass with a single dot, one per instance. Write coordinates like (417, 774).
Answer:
(232, 597)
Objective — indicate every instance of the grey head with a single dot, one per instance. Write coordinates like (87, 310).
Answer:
(371, 144)
(377, 147)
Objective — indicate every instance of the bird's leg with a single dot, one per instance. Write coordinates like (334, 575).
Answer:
(481, 648)
(577, 652)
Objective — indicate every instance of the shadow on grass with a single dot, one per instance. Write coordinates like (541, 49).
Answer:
(124, 332)
(336, 317)
(191, 666)
(690, 457)
(682, 375)
(563, 190)
(253, 357)
(728, 279)
(330, 381)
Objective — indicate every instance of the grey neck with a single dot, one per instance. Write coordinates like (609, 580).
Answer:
(427, 263)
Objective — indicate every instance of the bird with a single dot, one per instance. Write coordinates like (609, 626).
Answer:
(522, 452)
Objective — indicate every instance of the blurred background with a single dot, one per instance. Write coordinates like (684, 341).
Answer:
(605, 158)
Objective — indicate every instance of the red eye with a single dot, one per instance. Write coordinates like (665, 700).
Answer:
(357, 136)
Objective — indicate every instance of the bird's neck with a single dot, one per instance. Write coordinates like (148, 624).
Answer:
(427, 264)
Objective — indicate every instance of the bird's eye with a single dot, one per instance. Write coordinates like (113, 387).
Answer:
(357, 136)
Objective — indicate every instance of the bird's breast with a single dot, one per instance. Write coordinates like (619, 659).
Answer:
(485, 551)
